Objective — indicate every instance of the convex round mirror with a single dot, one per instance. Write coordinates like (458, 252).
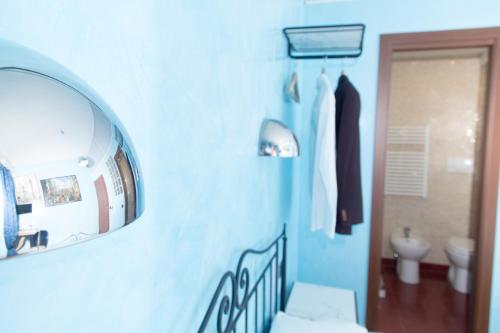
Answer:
(68, 172)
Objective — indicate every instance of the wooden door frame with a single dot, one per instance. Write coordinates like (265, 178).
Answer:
(489, 37)
(129, 190)
(102, 203)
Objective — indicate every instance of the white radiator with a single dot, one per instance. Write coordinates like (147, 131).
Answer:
(406, 168)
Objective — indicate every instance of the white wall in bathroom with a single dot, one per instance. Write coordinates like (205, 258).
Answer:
(445, 94)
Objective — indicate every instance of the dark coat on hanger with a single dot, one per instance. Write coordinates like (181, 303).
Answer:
(350, 202)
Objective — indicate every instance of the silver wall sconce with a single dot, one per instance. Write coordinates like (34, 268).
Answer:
(68, 169)
(277, 140)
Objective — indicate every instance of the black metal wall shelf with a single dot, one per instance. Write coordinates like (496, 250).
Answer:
(328, 41)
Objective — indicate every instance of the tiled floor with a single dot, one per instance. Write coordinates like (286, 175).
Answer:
(429, 307)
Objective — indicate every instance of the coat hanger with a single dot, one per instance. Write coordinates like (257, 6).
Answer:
(293, 88)
(323, 70)
(343, 70)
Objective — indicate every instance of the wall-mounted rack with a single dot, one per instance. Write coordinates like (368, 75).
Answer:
(329, 41)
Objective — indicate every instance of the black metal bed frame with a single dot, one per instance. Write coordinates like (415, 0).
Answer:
(235, 291)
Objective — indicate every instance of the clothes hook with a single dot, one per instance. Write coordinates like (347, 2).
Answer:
(343, 71)
(293, 88)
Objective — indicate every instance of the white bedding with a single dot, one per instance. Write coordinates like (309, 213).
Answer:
(317, 302)
(284, 323)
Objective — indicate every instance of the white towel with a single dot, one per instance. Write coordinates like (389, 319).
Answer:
(284, 323)
(323, 168)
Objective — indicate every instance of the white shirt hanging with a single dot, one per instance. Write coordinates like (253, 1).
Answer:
(323, 167)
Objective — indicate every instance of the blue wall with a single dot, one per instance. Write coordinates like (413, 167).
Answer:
(191, 81)
(344, 261)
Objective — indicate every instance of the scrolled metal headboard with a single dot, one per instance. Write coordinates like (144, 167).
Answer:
(236, 290)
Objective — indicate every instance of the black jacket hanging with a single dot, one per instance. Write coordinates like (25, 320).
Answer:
(350, 202)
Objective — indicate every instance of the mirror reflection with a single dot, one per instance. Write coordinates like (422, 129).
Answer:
(67, 171)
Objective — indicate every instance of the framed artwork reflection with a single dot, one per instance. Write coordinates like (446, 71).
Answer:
(27, 189)
(61, 190)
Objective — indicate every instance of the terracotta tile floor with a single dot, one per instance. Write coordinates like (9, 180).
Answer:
(429, 307)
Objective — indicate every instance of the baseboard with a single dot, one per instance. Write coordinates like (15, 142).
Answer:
(388, 265)
(432, 271)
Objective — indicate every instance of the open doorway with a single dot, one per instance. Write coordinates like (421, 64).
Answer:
(435, 181)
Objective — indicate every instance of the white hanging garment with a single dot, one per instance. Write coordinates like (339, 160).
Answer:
(323, 167)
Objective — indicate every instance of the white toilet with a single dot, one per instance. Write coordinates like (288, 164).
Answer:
(410, 249)
(460, 252)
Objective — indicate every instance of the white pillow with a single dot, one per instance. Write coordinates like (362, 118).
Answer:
(284, 323)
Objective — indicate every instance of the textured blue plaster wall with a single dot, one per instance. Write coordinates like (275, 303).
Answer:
(344, 261)
(191, 81)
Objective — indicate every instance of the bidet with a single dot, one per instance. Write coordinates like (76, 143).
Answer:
(410, 250)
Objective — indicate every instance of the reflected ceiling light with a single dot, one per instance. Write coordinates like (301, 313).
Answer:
(277, 140)
(83, 162)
